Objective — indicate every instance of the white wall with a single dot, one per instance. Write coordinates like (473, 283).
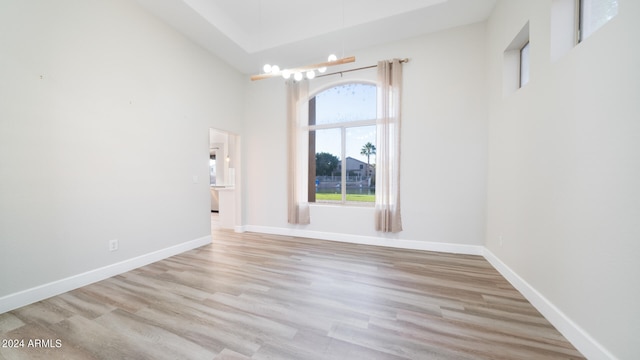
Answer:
(104, 122)
(444, 146)
(564, 172)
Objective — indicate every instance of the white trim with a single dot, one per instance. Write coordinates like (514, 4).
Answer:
(35, 294)
(579, 338)
(371, 240)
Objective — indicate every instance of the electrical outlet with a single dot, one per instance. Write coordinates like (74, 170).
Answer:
(500, 240)
(113, 245)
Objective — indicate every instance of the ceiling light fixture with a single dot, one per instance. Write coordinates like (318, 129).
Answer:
(308, 71)
(274, 70)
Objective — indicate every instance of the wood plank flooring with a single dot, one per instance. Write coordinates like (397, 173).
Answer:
(255, 296)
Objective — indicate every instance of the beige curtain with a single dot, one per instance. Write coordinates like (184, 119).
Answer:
(387, 209)
(298, 148)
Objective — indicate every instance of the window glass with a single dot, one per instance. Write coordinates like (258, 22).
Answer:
(524, 65)
(594, 14)
(328, 160)
(360, 162)
(344, 103)
(342, 135)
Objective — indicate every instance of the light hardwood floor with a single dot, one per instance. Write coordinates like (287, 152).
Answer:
(254, 296)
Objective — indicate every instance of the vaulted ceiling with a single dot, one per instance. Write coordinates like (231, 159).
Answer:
(248, 33)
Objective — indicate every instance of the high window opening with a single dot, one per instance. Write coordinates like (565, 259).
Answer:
(573, 21)
(594, 14)
(342, 144)
(524, 65)
(517, 62)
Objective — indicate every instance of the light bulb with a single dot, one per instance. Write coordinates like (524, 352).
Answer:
(275, 69)
(297, 76)
(311, 74)
(322, 69)
(266, 68)
(286, 74)
(332, 58)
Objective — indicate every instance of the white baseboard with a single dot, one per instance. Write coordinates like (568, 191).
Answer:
(29, 296)
(582, 341)
(370, 240)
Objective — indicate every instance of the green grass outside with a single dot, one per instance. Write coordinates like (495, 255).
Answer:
(350, 197)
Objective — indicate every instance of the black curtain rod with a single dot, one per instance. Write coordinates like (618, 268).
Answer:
(356, 69)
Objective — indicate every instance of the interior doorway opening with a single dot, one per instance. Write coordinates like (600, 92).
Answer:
(224, 164)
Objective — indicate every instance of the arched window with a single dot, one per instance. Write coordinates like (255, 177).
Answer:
(342, 144)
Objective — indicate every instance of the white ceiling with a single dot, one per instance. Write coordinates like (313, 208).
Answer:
(290, 33)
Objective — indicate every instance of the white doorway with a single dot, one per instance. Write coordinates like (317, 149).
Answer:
(224, 164)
